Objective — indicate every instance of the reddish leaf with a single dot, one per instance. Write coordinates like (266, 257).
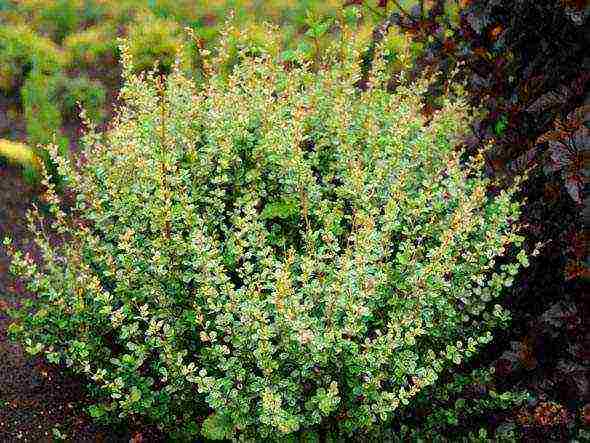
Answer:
(578, 243)
(552, 191)
(577, 4)
(550, 414)
(576, 375)
(553, 136)
(481, 52)
(574, 184)
(524, 161)
(561, 95)
(586, 414)
(353, 2)
(495, 32)
(558, 314)
(450, 45)
(576, 269)
(551, 99)
(578, 117)
(520, 356)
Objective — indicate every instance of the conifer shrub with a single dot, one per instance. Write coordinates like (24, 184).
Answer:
(43, 117)
(268, 252)
(92, 46)
(157, 41)
(83, 93)
(23, 51)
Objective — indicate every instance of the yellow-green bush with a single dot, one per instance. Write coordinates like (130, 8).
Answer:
(89, 94)
(42, 110)
(152, 39)
(92, 47)
(21, 155)
(57, 18)
(269, 252)
(23, 51)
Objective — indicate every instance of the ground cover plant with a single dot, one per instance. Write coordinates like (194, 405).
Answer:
(309, 260)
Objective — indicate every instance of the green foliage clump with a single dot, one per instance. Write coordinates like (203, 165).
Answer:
(23, 156)
(158, 42)
(268, 252)
(42, 111)
(88, 94)
(23, 51)
(60, 18)
(48, 99)
(92, 46)
(56, 19)
(451, 411)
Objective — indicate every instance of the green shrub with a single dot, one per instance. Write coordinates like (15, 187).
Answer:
(90, 94)
(153, 39)
(42, 111)
(59, 18)
(93, 46)
(452, 411)
(269, 252)
(23, 51)
(47, 100)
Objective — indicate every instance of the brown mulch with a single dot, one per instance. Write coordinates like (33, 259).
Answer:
(36, 400)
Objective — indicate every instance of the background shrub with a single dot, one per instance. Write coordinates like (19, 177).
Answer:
(84, 92)
(21, 52)
(270, 252)
(92, 46)
(42, 111)
(23, 156)
(152, 39)
(60, 17)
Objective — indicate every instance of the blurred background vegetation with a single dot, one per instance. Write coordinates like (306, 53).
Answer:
(56, 54)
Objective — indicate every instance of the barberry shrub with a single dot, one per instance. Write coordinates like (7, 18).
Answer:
(269, 251)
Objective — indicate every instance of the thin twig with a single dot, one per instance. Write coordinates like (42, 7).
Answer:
(403, 11)
(374, 11)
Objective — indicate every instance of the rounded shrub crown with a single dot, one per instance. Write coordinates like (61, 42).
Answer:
(270, 251)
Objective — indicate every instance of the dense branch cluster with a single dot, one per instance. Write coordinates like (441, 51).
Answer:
(270, 251)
